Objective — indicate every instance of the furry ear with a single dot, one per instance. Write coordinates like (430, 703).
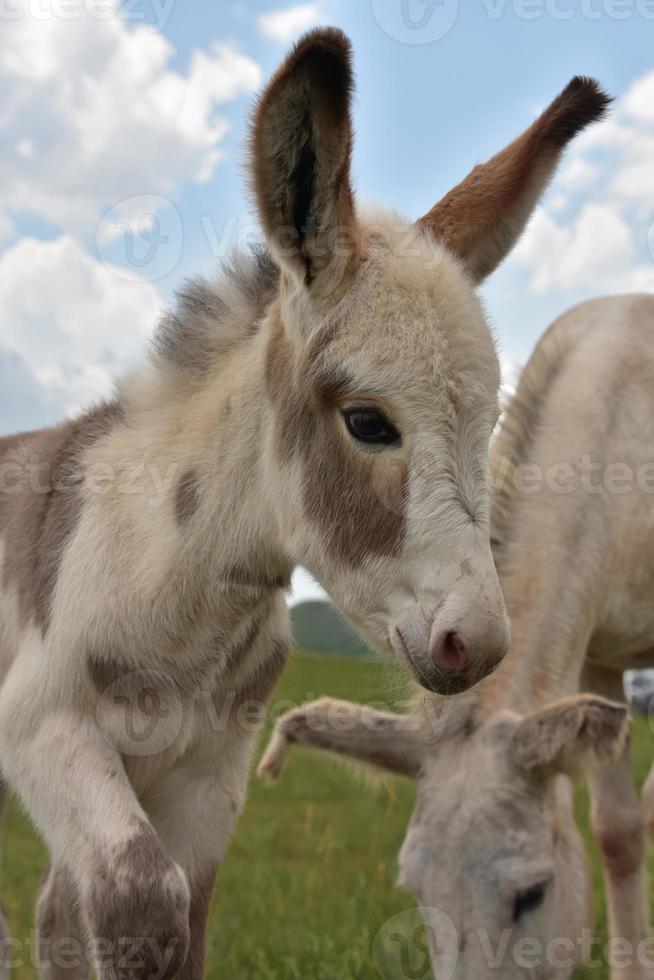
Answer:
(378, 739)
(301, 148)
(482, 218)
(569, 735)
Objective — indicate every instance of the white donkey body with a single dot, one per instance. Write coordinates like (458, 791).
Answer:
(492, 843)
(329, 401)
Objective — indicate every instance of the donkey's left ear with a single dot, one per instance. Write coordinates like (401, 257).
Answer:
(482, 218)
(569, 735)
(301, 147)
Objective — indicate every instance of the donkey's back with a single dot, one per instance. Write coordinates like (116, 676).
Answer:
(574, 460)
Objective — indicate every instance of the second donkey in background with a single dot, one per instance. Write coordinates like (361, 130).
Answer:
(492, 842)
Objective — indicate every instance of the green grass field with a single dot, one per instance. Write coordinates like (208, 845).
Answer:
(309, 879)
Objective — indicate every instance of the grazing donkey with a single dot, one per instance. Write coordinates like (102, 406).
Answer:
(492, 842)
(329, 401)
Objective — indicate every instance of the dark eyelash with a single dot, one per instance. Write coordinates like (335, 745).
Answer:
(529, 900)
(380, 430)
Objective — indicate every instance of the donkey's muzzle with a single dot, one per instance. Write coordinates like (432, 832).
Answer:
(459, 644)
(451, 665)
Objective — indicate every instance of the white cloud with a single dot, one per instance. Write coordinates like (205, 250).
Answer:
(304, 587)
(577, 174)
(595, 252)
(91, 113)
(596, 234)
(82, 325)
(285, 25)
(639, 100)
(510, 376)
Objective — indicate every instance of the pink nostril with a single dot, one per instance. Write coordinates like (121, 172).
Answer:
(454, 652)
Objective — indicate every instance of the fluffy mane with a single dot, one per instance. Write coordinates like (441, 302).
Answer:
(211, 316)
(523, 417)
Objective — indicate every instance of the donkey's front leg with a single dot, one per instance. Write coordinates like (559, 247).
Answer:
(618, 828)
(395, 743)
(63, 943)
(134, 897)
(5, 948)
(195, 807)
(138, 910)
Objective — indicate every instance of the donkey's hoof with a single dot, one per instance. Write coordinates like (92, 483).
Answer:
(138, 910)
(274, 758)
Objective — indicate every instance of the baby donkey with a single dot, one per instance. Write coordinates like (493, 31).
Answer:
(327, 401)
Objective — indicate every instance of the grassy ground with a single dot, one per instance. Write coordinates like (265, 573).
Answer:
(310, 875)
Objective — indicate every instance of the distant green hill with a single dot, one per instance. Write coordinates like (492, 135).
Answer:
(318, 626)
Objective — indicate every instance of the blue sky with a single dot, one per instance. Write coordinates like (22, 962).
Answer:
(124, 146)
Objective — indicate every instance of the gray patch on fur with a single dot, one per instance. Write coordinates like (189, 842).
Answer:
(212, 316)
(259, 684)
(240, 650)
(134, 908)
(104, 672)
(39, 519)
(242, 576)
(187, 497)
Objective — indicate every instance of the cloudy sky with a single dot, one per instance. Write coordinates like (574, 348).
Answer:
(121, 160)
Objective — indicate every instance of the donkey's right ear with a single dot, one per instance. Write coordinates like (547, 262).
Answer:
(568, 735)
(301, 147)
(482, 218)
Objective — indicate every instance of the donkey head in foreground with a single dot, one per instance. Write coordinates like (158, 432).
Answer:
(492, 853)
(381, 369)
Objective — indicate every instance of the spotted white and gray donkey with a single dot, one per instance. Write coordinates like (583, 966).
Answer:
(327, 401)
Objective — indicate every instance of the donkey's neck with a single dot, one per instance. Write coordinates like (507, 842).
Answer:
(208, 444)
(550, 595)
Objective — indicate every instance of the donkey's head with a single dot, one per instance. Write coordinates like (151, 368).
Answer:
(492, 853)
(493, 847)
(381, 369)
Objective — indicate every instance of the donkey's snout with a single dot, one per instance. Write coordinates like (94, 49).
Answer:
(449, 649)
(463, 654)
(445, 670)
(452, 648)
(449, 661)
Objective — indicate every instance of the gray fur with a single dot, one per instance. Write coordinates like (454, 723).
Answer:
(187, 497)
(141, 905)
(212, 316)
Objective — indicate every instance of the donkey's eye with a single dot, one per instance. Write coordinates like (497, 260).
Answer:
(371, 426)
(529, 900)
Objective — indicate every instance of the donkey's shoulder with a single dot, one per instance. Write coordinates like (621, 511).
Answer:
(40, 502)
(212, 316)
